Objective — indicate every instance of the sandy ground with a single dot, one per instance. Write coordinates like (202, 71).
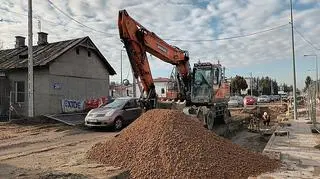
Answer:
(49, 151)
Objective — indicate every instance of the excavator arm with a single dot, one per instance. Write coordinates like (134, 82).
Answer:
(137, 41)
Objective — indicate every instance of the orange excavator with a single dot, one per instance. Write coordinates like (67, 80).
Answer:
(203, 88)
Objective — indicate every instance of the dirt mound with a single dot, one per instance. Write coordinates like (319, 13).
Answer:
(169, 144)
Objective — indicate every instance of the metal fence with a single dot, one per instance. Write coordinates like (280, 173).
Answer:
(312, 104)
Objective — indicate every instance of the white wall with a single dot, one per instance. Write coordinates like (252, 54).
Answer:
(159, 86)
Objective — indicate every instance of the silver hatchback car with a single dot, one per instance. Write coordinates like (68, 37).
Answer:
(118, 113)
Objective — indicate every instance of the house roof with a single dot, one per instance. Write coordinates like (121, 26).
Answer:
(44, 54)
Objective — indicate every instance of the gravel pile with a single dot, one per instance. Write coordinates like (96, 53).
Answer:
(168, 144)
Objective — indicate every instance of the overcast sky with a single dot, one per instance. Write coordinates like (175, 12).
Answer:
(263, 54)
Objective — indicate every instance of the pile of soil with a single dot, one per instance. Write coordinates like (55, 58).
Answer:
(168, 144)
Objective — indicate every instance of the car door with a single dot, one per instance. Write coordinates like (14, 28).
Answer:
(136, 108)
(131, 110)
(127, 112)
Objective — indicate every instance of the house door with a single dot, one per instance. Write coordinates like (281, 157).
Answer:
(4, 97)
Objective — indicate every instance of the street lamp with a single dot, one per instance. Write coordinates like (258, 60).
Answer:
(316, 72)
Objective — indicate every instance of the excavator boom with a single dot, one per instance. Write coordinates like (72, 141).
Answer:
(138, 40)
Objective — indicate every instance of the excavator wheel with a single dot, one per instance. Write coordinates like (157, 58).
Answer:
(202, 117)
(227, 116)
(210, 120)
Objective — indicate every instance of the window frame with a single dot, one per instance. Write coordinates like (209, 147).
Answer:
(17, 93)
(132, 103)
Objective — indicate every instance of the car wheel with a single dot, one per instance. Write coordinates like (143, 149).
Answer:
(118, 124)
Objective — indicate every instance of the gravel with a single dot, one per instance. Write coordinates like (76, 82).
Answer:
(168, 144)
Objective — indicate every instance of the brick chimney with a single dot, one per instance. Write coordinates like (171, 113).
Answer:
(20, 42)
(42, 38)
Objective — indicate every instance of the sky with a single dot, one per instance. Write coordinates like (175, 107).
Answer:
(196, 24)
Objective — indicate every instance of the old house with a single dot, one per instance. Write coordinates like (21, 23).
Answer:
(161, 86)
(70, 69)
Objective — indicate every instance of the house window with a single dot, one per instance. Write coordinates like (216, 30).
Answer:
(19, 91)
(162, 91)
(89, 53)
(77, 51)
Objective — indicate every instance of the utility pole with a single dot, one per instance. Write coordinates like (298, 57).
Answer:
(134, 86)
(271, 86)
(293, 67)
(30, 62)
(121, 80)
(317, 82)
(251, 84)
(121, 68)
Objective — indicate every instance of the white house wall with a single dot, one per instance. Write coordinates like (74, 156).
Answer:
(77, 77)
(159, 86)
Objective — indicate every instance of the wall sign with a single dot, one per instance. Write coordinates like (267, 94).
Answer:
(72, 105)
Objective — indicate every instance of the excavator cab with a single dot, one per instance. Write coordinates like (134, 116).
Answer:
(205, 81)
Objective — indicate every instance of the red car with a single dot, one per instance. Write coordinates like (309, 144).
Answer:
(249, 100)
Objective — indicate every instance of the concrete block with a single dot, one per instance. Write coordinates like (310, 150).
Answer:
(281, 133)
(272, 154)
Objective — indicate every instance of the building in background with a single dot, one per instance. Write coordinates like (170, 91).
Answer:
(161, 86)
(72, 69)
(117, 90)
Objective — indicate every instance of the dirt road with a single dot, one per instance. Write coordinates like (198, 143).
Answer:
(49, 151)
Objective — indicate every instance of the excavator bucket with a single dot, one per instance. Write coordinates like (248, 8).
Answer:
(170, 104)
(179, 105)
(164, 104)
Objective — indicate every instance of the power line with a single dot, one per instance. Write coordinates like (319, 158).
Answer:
(182, 40)
(229, 38)
(75, 20)
(308, 41)
(51, 22)
(14, 12)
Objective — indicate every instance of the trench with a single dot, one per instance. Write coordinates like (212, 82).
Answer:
(237, 133)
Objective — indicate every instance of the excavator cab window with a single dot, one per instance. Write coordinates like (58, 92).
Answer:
(217, 74)
(203, 76)
(202, 84)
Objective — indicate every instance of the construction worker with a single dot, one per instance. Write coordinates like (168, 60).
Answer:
(266, 119)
